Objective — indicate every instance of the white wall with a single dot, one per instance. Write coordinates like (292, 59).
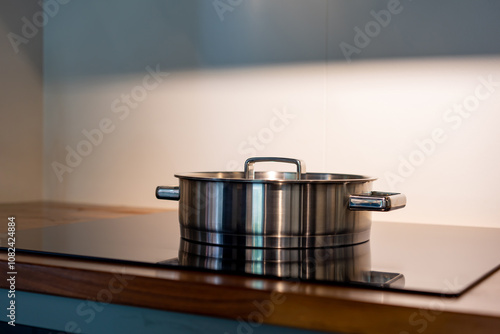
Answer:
(21, 107)
(363, 117)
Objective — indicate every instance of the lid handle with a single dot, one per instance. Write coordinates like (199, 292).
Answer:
(250, 171)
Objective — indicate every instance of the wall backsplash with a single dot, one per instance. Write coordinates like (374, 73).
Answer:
(168, 103)
(424, 127)
(21, 105)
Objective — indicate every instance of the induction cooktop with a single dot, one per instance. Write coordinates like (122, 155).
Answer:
(430, 259)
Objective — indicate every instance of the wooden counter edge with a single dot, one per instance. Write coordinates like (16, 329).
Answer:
(277, 302)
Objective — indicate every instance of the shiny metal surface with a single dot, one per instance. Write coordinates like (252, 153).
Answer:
(272, 214)
(168, 192)
(250, 162)
(276, 241)
(339, 264)
(377, 201)
(274, 210)
(275, 177)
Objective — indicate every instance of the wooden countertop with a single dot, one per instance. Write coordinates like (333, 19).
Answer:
(271, 301)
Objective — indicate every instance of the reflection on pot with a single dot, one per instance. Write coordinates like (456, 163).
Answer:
(336, 264)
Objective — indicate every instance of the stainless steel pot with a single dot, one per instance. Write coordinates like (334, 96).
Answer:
(277, 209)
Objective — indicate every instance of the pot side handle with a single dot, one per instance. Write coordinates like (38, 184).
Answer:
(168, 192)
(377, 201)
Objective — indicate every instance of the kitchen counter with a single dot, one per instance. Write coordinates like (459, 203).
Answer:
(270, 301)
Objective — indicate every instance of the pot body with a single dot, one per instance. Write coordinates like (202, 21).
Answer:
(272, 214)
(277, 209)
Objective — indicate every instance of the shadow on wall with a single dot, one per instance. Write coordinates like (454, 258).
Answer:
(85, 38)
(24, 22)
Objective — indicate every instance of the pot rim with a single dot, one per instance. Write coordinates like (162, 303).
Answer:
(276, 177)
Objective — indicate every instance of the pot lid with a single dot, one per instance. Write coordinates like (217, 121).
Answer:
(300, 176)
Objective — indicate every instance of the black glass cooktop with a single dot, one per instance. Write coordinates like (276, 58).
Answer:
(432, 259)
